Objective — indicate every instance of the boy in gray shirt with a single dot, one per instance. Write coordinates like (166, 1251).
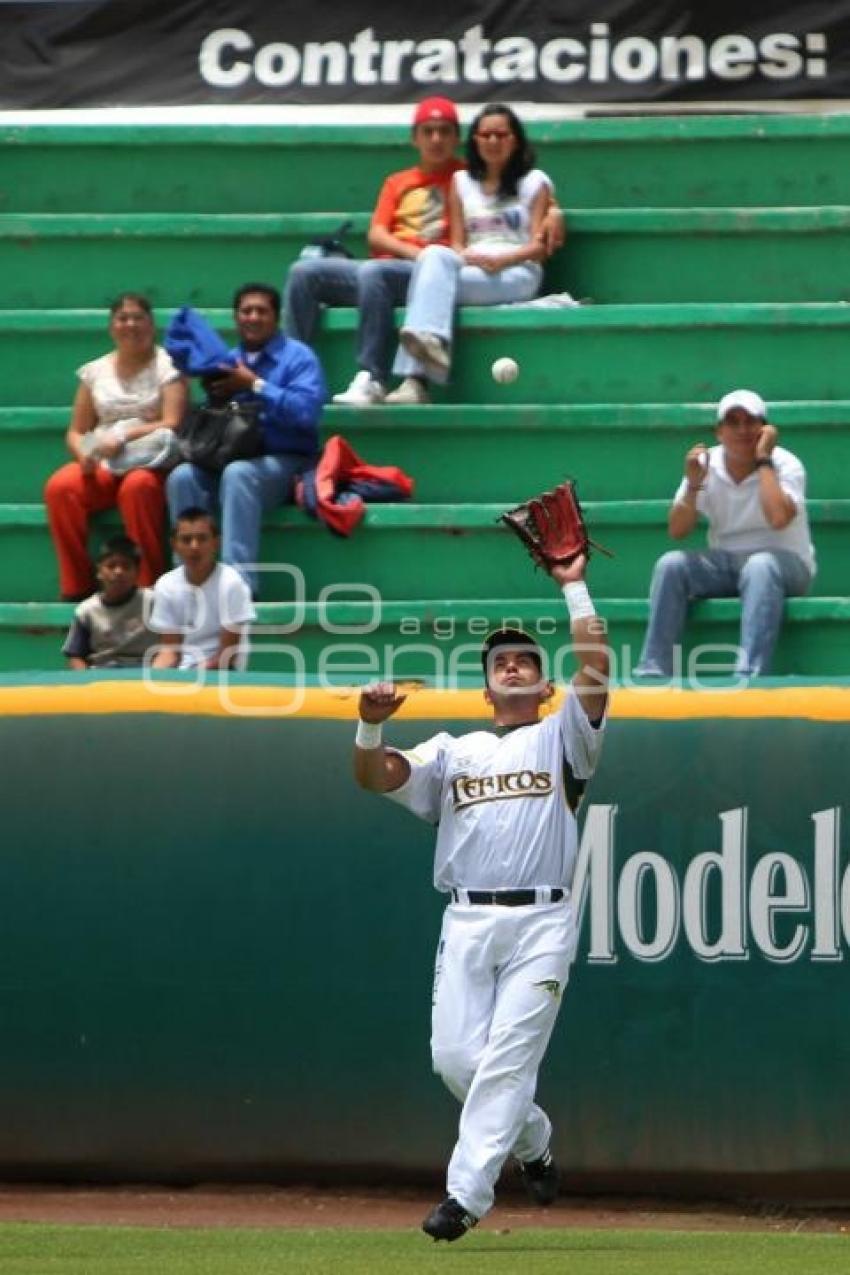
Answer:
(110, 628)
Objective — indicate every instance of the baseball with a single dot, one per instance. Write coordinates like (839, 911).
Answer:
(504, 371)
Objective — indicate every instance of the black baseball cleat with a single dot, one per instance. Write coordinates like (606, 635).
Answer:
(448, 1221)
(541, 1178)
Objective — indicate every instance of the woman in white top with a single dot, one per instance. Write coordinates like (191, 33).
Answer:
(124, 395)
(496, 209)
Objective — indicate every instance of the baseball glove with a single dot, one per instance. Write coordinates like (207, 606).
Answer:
(551, 526)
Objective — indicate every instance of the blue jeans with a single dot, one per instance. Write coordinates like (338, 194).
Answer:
(440, 281)
(763, 579)
(241, 494)
(376, 287)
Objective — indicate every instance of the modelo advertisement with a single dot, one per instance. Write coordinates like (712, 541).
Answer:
(715, 841)
(728, 903)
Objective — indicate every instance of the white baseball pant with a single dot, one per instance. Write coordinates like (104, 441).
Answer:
(495, 1004)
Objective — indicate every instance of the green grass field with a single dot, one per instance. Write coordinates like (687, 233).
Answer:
(35, 1249)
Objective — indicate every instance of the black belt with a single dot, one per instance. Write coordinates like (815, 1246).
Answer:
(508, 898)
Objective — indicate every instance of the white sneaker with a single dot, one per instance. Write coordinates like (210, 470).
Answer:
(410, 393)
(364, 391)
(429, 349)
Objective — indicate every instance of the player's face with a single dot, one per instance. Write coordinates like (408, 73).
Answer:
(512, 672)
(516, 688)
(256, 320)
(739, 433)
(436, 141)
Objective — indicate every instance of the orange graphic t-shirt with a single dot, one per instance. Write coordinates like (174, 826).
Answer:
(412, 205)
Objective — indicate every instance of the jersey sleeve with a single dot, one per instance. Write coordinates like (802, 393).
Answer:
(582, 742)
(422, 793)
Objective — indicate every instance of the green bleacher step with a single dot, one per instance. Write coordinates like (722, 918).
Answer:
(617, 256)
(633, 353)
(773, 160)
(67, 260)
(616, 451)
(715, 250)
(449, 550)
(640, 353)
(441, 638)
(486, 453)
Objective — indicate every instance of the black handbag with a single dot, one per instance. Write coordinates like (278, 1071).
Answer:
(212, 437)
(329, 245)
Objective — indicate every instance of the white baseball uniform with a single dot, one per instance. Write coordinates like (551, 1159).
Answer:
(504, 801)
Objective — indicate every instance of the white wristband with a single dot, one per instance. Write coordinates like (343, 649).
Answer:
(578, 600)
(368, 734)
(119, 432)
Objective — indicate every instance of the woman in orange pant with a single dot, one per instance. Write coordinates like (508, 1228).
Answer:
(124, 395)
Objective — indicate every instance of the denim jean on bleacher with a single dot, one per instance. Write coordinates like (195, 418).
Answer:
(763, 579)
(239, 495)
(440, 281)
(376, 287)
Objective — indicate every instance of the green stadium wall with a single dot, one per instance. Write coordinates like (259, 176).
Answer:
(217, 953)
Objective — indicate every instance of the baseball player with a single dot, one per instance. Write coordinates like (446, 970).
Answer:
(504, 801)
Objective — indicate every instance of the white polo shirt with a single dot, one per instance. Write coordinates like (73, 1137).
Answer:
(736, 520)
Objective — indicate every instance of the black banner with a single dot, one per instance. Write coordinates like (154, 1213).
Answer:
(82, 53)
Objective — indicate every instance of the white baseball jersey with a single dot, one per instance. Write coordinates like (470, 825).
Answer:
(503, 800)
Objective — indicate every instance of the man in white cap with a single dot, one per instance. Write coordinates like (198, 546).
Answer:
(752, 494)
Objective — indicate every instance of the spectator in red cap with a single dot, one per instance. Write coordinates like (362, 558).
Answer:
(435, 108)
(411, 214)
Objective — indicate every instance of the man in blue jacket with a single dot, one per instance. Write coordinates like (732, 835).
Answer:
(287, 379)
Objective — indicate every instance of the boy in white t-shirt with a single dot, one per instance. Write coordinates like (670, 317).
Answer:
(759, 546)
(202, 609)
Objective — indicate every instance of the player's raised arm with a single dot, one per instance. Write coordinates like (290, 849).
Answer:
(590, 637)
(552, 528)
(376, 769)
